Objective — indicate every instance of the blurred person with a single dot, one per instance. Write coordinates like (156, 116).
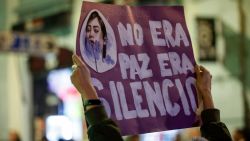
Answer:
(178, 137)
(102, 128)
(39, 131)
(199, 139)
(14, 136)
(133, 138)
(65, 139)
(239, 135)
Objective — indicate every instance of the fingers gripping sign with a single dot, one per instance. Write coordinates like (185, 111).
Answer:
(203, 79)
(203, 84)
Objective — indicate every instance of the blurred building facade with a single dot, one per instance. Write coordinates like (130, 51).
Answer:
(221, 18)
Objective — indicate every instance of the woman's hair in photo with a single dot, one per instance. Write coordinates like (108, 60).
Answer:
(92, 16)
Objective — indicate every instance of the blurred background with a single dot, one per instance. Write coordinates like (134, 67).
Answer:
(37, 39)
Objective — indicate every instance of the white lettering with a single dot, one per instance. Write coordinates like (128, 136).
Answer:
(170, 40)
(135, 86)
(189, 83)
(138, 34)
(180, 35)
(182, 96)
(162, 58)
(175, 63)
(98, 84)
(154, 97)
(154, 25)
(167, 27)
(124, 64)
(126, 113)
(132, 64)
(170, 99)
(172, 108)
(115, 98)
(186, 64)
(126, 35)
(145, 72)
(134, 68)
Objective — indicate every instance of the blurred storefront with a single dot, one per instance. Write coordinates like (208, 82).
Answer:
(38, 37)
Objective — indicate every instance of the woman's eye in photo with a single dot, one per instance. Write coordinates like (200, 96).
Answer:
(96, 30)
(88, 29)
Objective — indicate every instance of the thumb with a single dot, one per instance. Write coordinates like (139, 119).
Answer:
(77, 60)
(197, 72)
(196, 68)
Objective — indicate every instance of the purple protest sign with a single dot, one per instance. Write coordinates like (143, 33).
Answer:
(142, 65)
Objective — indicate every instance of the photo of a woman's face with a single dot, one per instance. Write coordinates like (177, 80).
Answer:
(97, 44)
(94, 32)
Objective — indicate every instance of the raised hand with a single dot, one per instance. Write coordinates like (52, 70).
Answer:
(81, 79)
(203, 84)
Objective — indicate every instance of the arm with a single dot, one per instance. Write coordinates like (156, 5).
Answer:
(212, 128)
(101, 128)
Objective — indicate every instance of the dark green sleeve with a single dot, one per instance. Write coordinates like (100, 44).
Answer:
(212, 128)
(101, 128)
